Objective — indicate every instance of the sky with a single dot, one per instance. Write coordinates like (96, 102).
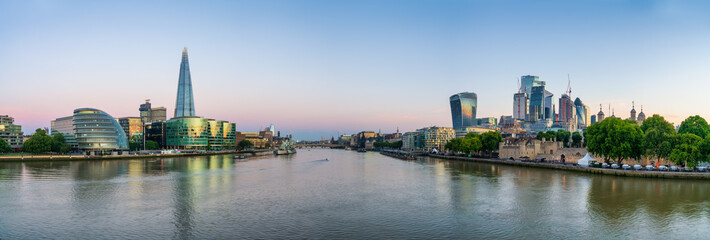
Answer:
(323, 68)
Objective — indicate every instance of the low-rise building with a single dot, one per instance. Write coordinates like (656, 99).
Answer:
(11, 133)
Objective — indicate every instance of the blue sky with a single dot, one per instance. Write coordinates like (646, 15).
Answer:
(318, 68)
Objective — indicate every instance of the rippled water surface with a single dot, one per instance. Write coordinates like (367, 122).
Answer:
(350, 195)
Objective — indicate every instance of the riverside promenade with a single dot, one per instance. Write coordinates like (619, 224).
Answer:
(41, 158)
(590, 170)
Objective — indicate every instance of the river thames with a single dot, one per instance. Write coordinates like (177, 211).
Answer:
(349, 195)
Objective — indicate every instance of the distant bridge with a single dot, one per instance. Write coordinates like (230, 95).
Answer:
(318, 145)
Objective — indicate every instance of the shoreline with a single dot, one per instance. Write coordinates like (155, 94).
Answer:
(588, 170)
(52, 158)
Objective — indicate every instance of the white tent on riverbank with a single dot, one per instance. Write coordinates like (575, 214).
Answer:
(586, 160)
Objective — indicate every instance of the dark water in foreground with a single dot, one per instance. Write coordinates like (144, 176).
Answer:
(353, 195)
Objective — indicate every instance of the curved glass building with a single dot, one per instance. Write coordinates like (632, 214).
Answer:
(463, 109)
(98, 132)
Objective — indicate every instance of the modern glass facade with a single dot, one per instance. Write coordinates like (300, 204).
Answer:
(229, 135)
(537, 102)
(97, 131)
(199, 133)
(463, 109)
(520, 105)
(187, 133)
(184, 105)
(582, 114)
(133, 127)
(155, 131)
(65, 126)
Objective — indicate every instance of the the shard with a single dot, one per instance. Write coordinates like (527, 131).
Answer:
(184, 105)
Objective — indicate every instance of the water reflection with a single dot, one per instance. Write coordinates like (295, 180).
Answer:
(352, 195)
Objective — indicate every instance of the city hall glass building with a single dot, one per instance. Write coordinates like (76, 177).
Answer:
(463, 109)
(96, 132)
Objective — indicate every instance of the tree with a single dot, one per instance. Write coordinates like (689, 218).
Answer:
(134, 146)
(490, 141)
(549, 136)
(209, 146)
(657, 122)
(658, 137)
(243, 144)
(59, 145)
(472, 145)
(563, 136)
(267, 145)
(686, 150)
(616, 139)
(695, 125)
(4, 146)
(151, 145)
(576, 139)
(40, 142)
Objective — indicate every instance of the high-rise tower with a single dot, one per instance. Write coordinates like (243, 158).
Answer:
(463, 109)
(184, 105)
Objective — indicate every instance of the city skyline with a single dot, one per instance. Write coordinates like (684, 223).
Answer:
(304, 66)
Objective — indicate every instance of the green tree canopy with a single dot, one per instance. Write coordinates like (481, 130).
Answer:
(471, 143)
(563, 136)
(490, 141)
(151, 145)
(549, 136)
(657, 122)
(687, 150)
(658, 137)
(695, 125)
(4, 146)
(40, 142)
(59, 145)
(576, 139)
(243, 144)
(134, 146)
(616, 139)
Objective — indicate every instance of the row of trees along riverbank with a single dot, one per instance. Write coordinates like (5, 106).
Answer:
(619, 140)
(475, 143)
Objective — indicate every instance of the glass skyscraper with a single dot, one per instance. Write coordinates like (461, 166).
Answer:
(537, 102)
(184, 105)
(187, 131)
(463, 109)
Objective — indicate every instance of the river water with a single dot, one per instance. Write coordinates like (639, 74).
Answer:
(349, 195)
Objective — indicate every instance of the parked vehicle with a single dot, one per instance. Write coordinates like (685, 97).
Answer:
(663, 168)
(675, 168)
(649, 167)
(625, 166)
(614, 165)
(702, 169)
(605, 165)
(637, 167)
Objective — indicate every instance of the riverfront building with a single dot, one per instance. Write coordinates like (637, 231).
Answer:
(133, 127)
(428, 139)
(97, 132)
(463, 109)
(11, 133)
(65, 126)
(187, 131)
(520, 106)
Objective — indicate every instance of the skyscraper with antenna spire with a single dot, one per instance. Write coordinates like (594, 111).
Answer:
(184, 104)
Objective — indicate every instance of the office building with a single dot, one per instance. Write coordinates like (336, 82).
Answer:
(97, 132)
(463, 109)
(155, 131)
(520, 106)
(536, 109)
(566, 108)
(65, 126)
(11, 133)
(581, 114)
(187, 131)
(184, 104)
(133, 127)
(527, 82)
